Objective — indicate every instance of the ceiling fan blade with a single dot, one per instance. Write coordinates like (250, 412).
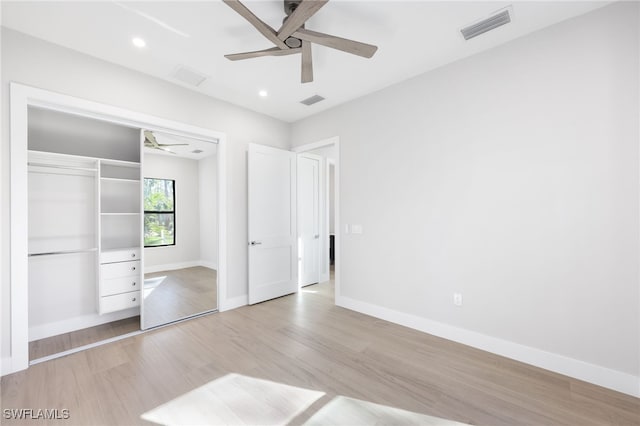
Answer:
(264, 29)
(274, 51)
(304, 11)
(307, 64)
(346, 45)
(149, 137)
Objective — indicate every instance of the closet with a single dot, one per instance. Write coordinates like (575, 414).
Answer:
(84, 222)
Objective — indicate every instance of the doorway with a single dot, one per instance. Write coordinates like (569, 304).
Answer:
(276, 251)
(326, 152)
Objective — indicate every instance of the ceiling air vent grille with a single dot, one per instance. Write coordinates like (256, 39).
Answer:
(485, 25)
(312, 100)
(188, 76)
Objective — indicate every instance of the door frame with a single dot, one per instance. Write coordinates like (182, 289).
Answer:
(335, 140)
(22, 97)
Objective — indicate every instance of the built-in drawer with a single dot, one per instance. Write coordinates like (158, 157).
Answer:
(118, 302)
(124, 255)
(119, 285)
(118, 270)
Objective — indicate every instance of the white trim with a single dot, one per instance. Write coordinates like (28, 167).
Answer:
(234, 303)
(6, 366)
(222, 223)
(208, 264)
(179, 265)
(19, 230)
(315, 145)
(43, 331)
(602, 376)
(21, 97)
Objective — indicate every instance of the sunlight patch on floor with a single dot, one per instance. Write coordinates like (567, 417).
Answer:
(235, 399)
(348, 411)
(238, 400)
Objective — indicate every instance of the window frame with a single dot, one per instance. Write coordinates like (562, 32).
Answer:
(173, 212)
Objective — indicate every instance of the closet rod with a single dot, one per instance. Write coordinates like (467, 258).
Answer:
(54, 253)
(55, 166)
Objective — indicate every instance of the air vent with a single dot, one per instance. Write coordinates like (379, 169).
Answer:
(191, 77)
(197, 151)
(485, 25)
(312, 100)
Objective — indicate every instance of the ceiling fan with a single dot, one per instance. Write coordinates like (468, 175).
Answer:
(151, 142)
(293, 38)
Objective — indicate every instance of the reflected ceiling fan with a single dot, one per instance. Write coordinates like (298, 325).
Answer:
(292, 37)
(151, 142)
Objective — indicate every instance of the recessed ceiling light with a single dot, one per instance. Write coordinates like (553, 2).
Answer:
(138, 42)
(263, 93)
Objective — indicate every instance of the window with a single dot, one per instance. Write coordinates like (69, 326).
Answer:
(159, 212)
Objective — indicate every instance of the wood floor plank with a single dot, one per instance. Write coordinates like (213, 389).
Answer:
(303, 340)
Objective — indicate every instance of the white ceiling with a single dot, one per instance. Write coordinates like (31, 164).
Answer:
(412, 37)
(182, 147)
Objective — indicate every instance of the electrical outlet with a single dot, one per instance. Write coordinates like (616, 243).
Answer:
(457, 299)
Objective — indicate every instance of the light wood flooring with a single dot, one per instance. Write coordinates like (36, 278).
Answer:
(75, 339)
(179, 294)
(304, 341)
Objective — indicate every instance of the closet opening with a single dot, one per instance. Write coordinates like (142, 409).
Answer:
(107, 255)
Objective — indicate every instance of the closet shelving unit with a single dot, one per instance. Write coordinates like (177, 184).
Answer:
(85, 226)
(120, 235)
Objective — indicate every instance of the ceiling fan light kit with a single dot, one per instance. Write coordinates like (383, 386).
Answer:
(293, 38)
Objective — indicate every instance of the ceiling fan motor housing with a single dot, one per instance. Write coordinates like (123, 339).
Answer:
(289, 7)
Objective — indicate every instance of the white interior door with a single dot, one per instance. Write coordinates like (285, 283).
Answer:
(309, 167)
(272, 223)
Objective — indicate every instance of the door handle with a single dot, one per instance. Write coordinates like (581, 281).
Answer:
(316, 236)
(255, 243)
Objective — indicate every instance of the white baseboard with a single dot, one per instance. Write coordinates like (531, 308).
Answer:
(179, 265)
(208, 264)
(598, 375)
(78, 323)
(234, 303)
(170, 266)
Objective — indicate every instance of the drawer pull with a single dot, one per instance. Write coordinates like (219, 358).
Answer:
(133, 284)
(133, 255)
(133, 300)
(133, 268)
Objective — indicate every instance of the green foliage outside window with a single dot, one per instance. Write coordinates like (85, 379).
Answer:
(159, 212)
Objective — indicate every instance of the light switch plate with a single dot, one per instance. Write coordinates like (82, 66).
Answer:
(356, 229)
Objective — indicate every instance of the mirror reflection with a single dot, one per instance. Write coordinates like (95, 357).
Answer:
(180, 228)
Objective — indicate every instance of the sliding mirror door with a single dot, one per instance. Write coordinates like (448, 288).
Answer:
(180, 228)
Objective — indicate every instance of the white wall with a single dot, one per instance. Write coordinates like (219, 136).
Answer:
(37, 63)
(208, 176)
(511, 177)
(185, 172)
